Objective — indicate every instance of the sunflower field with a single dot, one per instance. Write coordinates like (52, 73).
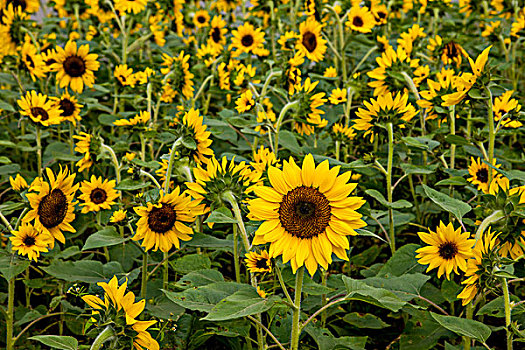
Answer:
(262, 174)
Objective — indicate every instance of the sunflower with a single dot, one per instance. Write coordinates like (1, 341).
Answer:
(248, 39)
(69, 107)
(265, 116)
(338, 96)
(75, 67)
(83, 145)
(217, 36)
(479, 173)
(310, 42)
(11, 21)
(343, 133)
(28, 6)
(162, 225)
(193, 125)
(179, 78)
(308, 112)
(505, 106)
(29, 241)
(245, 102)
(97, 194)
(118, 216)
(263, 158)
(307, 213)
(432, 97)
(39, 108)
(120, 308)
(450, 52)
(18, 183)
(385, 109)
(125, 75)
(408, 39)
(201, 19)
(518, 27)
(129, 6)
(258, 262)
(447, 249)
(34, 63)
(52, 204)
(380, 13)
(360, 19)
(330, 72)
(140, 119)
(514, 248)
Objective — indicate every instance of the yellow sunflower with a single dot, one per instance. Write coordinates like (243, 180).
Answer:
(97, 194)
(33, 61)
(258, 262)
(129, 6)
(360, 19)
(338, 96)
(264, 158)
(308, 113)
(432, 97)
(52, 204)
(194, 124)
(330, 72)
(179, 77)
(18, 183)
(11, 21)
(448, 249)
(69, 107)
(83, 145)
(479, 173)
(245, 102)
(217, 36)
(505, 106)
(310, 42)
(513, 249)
(201, 19)
(28, 6)
(306, 214)
(41, 110)
(380, 13)
(118, 216)
(162, 225)
(29, 241)
(125, 75)
(75, 67)
(140, 119)
(248, 39)
(343, 133)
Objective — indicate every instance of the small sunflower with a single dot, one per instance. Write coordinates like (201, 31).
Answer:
(52, 204)
(118, 216)
(258, 262)
(360, 19)
(97, 194)
(309, 112)
(263, 158)
(83, 145)
(165, 223)
(505, 107)
(201, 19)
(75, 67)
(125, 75)
(514, 248)
(179, 78)
(33, 61)
(448, 249)
(306, 214)
(39, 108)
(18, 183)
(245, 102)
(479, 173)
(343, 133)
(330, 72)
(432, 97)
(69, 107)
(193, 124)
(129, 6)
(29, 241)
(338, 96)
(248, 39)
(140, 119)
(310, 42)
(217, 36)
(380, 13)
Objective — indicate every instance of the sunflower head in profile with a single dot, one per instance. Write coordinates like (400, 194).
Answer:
(248, 39)
(69, 107)
(507, 110)
(193, 127)
(308, 112)
(33, 62)
(52, 204)
(75, 67)
(258, 262)
(179, 79)
(310, 41)
(87, 145)
(343, 133)
(18, 183)
(307, 213)
(360, 19)
(385, 109)
(263, 158)
(164, 224)
(139, 120)
(124, 75)
(479, 173)
(40, 109)
(12, 19)
(97, 194)
(29, 241)
(512, 245)
(448, 249)
(436, 89)
(245, 102)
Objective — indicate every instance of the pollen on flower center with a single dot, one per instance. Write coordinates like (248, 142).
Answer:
(52, 208)
(75, 66)
(483, 175)
(305, 212)
(162, 219)
(262, 263)
(40, 112)
(310, 41)
(448, 250)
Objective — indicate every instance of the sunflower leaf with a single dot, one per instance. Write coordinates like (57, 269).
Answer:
(103, 238)
(221, 215)
(57, 342)
(463, 326)
(360, 290)
(452, 205)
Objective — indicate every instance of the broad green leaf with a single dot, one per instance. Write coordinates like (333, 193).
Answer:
(457, 140)
(463, 326)
(11, 266)
(57, 342)
(402, 262)
(165, 310)
(200, 278)
(207, 241)
(131, 185)
(88, 271)
(406, 287)
(103, 238)
(327, 341)
(6, 106)
(221, 215)
(289, 141)
(452, 205)
(415, 169)
(191, 262)
(452, 181)
(450, 290)
(360, 320)
(494, 308)
(420, 143)
(421, 331)
(359, 290)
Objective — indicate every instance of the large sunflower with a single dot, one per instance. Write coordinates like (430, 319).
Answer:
(307, 213)
(39, 108)
(52, 204)
(29, 241)
(310, 42)
(75, 67)
(479, 173)
(162, 225)
(97, 194)
(69, 107)
(448, 249)
(248, 39)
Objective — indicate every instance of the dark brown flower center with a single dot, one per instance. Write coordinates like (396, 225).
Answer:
(261, 263)
(247, 40)
(482, 175)
(53, 208)
(98, 196)
(29, 241)
(75, 66)
(305, 212)
(358, 21)
(448, 250)
(451, 50)
(216, 35)
(39, 112)
(162, 219)
(67, 107)
(17, 3)
(30, 62)
(381, 14)
(201, 19)
(309, 41)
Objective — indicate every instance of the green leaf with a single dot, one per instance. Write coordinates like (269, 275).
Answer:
(457, 140)
(464, 327)
(452, 181)
(327, 341)
(88, 271)
(402, 262)
(6, 106)
(421, 331)
(450, 290)
(207, 241)
(221, 215)
(131, 185)
(57, 342)
(406, 287)
(452, 205)
(200, 278)
(288, 141)
(189, 142)
(192, 262)
(359, 290)
(420, 143)
(415, 169)
(103, 238)
(11, 266)
(494, 308)
(240, 304)
(360, 320)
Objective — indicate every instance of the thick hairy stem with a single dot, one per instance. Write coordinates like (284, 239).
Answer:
(10, 313)
(296, 329)
(107, 334)
(492, 132)
(508, 310)
(390, 129)
(144, 280)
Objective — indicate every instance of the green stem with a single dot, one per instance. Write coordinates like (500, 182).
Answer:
(452, 120)
(279, 122)
(39, 149)
(506, 297)
(337, 149)
(144, 280)
(114, 160)
(107, 334)
(324, 277)
(229, 197)
(165, 273)
(236, 254)
(151, 177)
(297, 313)
(10, 313)
(469, 313)
(170, 165)
(283, 286)
(390, 129)
(492, 133)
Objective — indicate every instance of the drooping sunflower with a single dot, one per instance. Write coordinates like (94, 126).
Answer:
(29, 241)
(75, 67)
(180, 81)
(248, 39)
(140, 119)
(52, 206)
(265, 116)
(505, 107)
(432, 97)
(310, 42)
(97, 194)
(83, 145)
(309, 112)
(164, 224)
(479, 173)
(69, 107)
(201, 19)
(258, 262)
(360, 19)
(343, 133)
(448, 249)
(385, 109)
(193, 125)
(306, 214)
(39, 108)
(120, 308)
(33, 61)
(218, 30)
(245, 102)
(129, 6)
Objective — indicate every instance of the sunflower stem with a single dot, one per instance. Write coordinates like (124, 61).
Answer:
(39, 149)
(10, 313)
(236, 254)
(144, 280)
(279, 122)
(283, 286)
(492, 133)
(107, 334)
(468, 316)
(113, 159)
(390, 129)
(170, 164)
(324, 277)
(165, 272)
(296, 331)
(145, 173)
(452, 119)
(337, 149)
(229, 197)
(508, 310)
